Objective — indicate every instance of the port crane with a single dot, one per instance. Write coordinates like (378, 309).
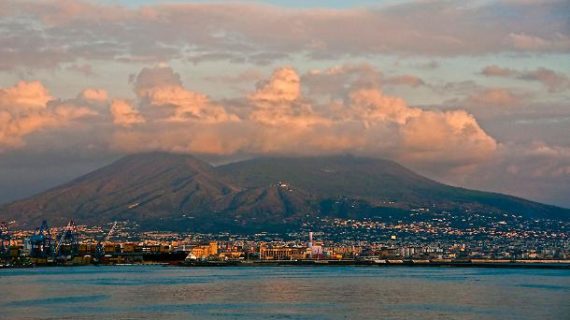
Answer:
(100, 249)
(67, 245)
(41, 242)
(4, 242)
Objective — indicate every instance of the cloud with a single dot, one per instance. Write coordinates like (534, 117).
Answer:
(371, 106)
(277, 102)
(277, 117)
(24, 96)
(96, 95)
(424, 137)
(161, 88)
(493, 97)
(245, 77)
(532, 170)
(27, 108)
(124, 114)
(335, 81)
(552, 80)
(46, 34)
(452, 138)
(149, 78)
(328, 111)
(406, 80)
(554, 161)
(530, 42)
(496, 71)
(284, 86)
(428, 65)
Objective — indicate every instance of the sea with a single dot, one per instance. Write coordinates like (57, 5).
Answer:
(288, 292)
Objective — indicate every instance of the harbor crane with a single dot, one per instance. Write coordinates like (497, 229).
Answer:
(41, 242)
(67, 245)
(4, 242)
(100, 249)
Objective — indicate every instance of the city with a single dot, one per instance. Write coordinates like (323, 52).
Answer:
(284, 159)
(438, 239)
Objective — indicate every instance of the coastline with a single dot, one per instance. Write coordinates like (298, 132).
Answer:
(555, 264)
(526, 264)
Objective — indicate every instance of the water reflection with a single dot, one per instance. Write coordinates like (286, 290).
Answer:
(153, 292)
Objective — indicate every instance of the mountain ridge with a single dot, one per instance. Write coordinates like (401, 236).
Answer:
(177, 191)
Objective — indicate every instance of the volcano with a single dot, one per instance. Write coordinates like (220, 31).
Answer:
(181, 192)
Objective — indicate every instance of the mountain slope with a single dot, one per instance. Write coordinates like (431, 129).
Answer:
(333, 176)
(180, 192)
(139, 187)
(380, 182)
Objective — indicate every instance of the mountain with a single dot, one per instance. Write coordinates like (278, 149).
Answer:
(380, 182)
(181, 192)
(140, 187)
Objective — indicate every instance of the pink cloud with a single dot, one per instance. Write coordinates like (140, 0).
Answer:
(124, 114)
(276, 117)
(277, 102)
(160, 87)
(24, 95)
(451, 137)
(371, 106)
(96, 95)
(280, 116)
(27, 108)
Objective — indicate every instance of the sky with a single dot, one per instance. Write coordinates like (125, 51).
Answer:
(470, 93)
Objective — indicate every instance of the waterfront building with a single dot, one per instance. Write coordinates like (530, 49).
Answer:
(282, 253)
(205, 251)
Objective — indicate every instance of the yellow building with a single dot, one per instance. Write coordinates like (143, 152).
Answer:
(205, 251)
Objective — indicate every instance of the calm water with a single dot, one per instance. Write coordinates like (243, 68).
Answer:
(154, 292)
